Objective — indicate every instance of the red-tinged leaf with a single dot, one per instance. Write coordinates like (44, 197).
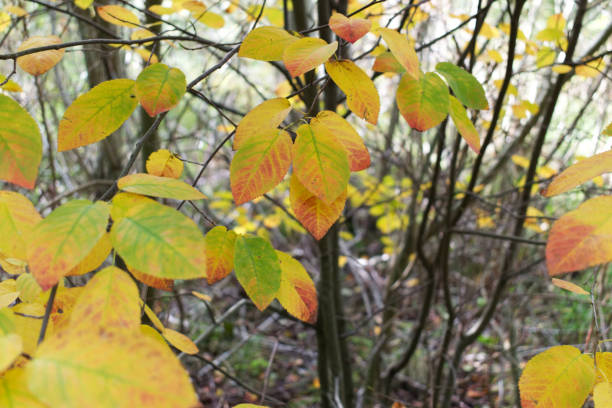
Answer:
(361, 94)
(96, 114)
(20, 144)
(157, 239)
(109, 300)
(118, 15)
(358, 155)
(19, 217)
(60, 241)
(156, 186)
(320, 163)
(581, 238)
(219, 244)
(297, 293)
(306, 54)
(464, 125)
(572, 287)
(386, 62)
(159, 88)
(266, 115)
(260, 164)
(152, 281)
(403, 51)
(559, 377)
(316, 216)
(40, 62)
(579, 173)
(163, 163)
(464, 85)
(349, 29)
(257, 269)
(266, 44)
(180, 341)
(95, 258)
(108, 369)
(423, 102)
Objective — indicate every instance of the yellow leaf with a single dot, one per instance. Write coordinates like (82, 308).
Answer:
(95, 258)
(579, 173)
(297, 293)
(572, 287)
(10, 85)
(14, 391)
(266, 44)
(267, 115)
(16, 10)
(403, 50)
(118, 15)
(520, 161)
(165, 164)
(11, 346)
(156, 186)
(141, 34)
(147, 56)
(201, 296)
(602, 395)
(546, 56)
(83, 4)
(180, 341)
(40, 62)
(28, 289)
(219, 249)
(306, 54)
(19, 217)
(153, 317)
(591, 69)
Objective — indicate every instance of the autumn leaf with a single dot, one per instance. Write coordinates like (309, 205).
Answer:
(297, 293)
(118, 15)
(11, 346)
(18, 217)
(581, 238)
(403, 50)
(580, 172)
(14, 391)
(266, 44)
(163, 163)
(464, 125)
(423, 102)
(96, 114)
(219, 246)
(464, 85)
(260, 164)
(602, 395)
(159, 88)
(180, 341)
(152, 281)
(156, 186)
(306, 54)
(60, 241)
(94, 258)
(386, 62)
(267, 115)
(559, 377)
(40, 62)
(361, 94)
(257, 269)
(349, 29)
(569, 286)
(20, 144)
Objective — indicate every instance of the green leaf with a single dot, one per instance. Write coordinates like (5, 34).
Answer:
(257, 269)
(60, 241)
(463, 123)
(157, 240)
(20, 144)
(96, 114)
(464, 85)
(422, 102)
(157, 186)
(159, 88)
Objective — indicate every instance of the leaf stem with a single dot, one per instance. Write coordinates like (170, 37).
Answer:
(45, 322)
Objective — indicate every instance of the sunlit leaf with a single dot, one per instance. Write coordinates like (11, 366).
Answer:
(579, 173)
(267, 115)
(83, 4)
(358, 155)
(158, 240)
(464, 125)
(20, 144)
(361, 94)
(18, 217)
(297, 293)
(156, 186)
(212, 20)
(219, 244)
(163, 163)
(320, 163)
(159, 88)
(118, 15)
(591, 69)
(561, 69)
(572, 287)
(157, 9)
(257, 269)
(60, 241)
(306, 54)
(545, 56)
(266, 44)
(260, 164)
(423, 102)
(40, 62)
(464, 85)
(559, 377)
(403, 51)
(180, 341)
(96, 114)
(349, 29)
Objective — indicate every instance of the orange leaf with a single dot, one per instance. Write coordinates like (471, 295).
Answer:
(297, 293)
(403, 51)
(316, 216)
(152, 281)
(40, 62)
(219, 248)
(266, 44)
(422, 102)
(118, 15)
(320, 163)
(260, 164)
(20, 144)
(361, 94)
(156, 186)
(572, 287)
(159, 88)
(349, 29)
(358, 156)
(268, 114)
(164, 164)
(464, 125)
(306, 54)
(581, 238)
(579, 173)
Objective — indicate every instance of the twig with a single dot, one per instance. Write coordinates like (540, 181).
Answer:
(45, 322)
